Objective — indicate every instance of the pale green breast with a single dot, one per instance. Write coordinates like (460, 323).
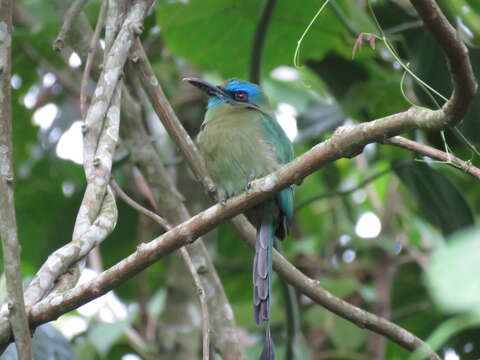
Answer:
(234, 148)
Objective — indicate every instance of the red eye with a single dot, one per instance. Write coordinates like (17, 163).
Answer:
(241, 96)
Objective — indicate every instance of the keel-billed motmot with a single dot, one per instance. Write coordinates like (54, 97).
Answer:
(241, 140)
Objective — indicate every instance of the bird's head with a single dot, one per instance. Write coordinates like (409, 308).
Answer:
(233, 91)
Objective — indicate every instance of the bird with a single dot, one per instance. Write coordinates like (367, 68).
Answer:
(241, 140)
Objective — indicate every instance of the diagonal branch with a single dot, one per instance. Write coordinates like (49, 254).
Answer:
(70, 18)
(463, 78)
(8, 223)
(433, 153)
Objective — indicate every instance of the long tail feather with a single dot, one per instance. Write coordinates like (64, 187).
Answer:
(262, 272)
(268, 352)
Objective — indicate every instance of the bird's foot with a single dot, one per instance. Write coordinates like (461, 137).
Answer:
(248, 187)
(223, 201)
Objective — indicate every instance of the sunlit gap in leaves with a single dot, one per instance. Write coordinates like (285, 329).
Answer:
(368, 225)
(16, 81)
(286, 114)
(70, 145)
(30, 98)
(74, 60)
(45, 115)
(49, 79)
(131, 357)
(451, 354)
(285, 73)
(68, 188)
(107, 309)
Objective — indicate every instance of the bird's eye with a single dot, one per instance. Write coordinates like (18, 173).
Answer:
(241, 96)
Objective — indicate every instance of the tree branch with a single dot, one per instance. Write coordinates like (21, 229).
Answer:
(463, 78)
(91, 55)
(168, 117)
(70, 17)
(433, 153)
(8, 223)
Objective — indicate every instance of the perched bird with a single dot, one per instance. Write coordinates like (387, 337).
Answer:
(240, 141)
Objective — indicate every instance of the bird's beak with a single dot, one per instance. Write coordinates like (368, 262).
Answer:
(209, 89)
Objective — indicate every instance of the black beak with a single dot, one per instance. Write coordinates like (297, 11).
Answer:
(209, 89)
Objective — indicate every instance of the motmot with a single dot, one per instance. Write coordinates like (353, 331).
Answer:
(241, 140)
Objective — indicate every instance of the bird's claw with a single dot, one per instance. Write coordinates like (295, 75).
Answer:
(223, 202)
(248, 187)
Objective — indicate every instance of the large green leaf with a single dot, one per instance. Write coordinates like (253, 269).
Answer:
(452, 275)
(218, 34)
(440, 201)
(429, 64)
(103, 336)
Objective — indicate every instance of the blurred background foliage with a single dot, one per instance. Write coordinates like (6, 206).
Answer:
(404, 245)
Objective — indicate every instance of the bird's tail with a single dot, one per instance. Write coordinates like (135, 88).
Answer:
(262, 282)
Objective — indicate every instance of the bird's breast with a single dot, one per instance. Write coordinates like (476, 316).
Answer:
(235, 153)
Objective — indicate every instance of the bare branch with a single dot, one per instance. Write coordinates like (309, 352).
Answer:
(433, 153)
(91, 55)
(122, 195)
(168, 117)
(70, 17)
(8, 223)
(203, 302)
(463, 78)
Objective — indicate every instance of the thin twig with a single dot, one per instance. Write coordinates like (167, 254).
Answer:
(70, 17)
(463, 78)
(91, 55)
(433, 153)
(186, 257)
(203, 302)
(343, 192)
(169, 119)
(259, 40)
(135, 205)
(8, 223)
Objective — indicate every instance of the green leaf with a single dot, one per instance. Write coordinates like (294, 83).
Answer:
(446, 330)
(218, 34)
(157, 303)
(439, 200)
(452, 275)
(429, 64)
(104, 336)
(341, 287)
(345, 335)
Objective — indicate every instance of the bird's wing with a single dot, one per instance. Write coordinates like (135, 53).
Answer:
(282, 146)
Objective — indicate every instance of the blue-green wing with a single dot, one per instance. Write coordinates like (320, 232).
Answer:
(275, 135)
